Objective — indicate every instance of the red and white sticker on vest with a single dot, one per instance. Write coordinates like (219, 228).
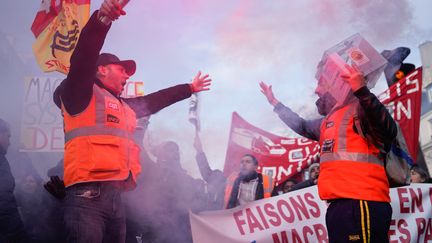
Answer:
(112, 105)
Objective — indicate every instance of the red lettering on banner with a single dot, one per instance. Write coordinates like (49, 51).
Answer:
(391, 231)
(430, 195)
(416, 200)
(306, 231)
(402, 227)
(252, 221)
(275, 218)
(424, 227)
(421, 227)
(318, 230)
(402, 100)
(296, 237)
(279, 156)
(321, 233)
(239, 222)
(284, 237)
(263, 219)
(414, 197)
(57, 134)
(299, 207)
(428, 236)
(280, 204)
(309, 198)
(403, 200)
(38, 134)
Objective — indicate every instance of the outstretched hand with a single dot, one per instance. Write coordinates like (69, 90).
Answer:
(201, 83)
(111, 9)
(354, 77)
(268, 92)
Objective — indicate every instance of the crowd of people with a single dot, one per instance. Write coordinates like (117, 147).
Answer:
(108, 188)
(160, 203)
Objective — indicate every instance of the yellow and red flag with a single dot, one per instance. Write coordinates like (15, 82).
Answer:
(57, 27)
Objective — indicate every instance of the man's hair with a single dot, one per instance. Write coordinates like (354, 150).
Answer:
(290, 180)
(254, 159)
(423, 174)
(4, 126)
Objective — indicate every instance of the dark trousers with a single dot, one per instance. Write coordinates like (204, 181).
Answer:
(93, 213)
(351, 220)
(12, 227)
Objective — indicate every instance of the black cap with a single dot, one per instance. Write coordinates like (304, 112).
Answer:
(407, 68)
(108, 58)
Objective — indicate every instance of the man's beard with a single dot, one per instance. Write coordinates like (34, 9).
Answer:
(325, 104)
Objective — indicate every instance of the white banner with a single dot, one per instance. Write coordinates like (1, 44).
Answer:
(299, 216)
(42, 123)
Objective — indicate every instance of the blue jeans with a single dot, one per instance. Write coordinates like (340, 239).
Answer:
(94, 213)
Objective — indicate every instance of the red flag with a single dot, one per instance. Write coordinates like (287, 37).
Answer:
(279, 157)
(48, 11)
(403, 100)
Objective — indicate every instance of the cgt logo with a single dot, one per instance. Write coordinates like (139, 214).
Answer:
(113, 105)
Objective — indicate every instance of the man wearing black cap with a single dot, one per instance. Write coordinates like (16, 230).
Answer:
(101, 156)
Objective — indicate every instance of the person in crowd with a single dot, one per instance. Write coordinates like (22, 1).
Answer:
(352, 176)
(215, 179)
(313, 178)
(248, 185)
(38, 210)
(238, 189)
(164, 197)
(288, 185)
(418, 175)
(101, 158)
(11, 225)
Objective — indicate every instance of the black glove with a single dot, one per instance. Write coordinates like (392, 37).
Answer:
(56, 187)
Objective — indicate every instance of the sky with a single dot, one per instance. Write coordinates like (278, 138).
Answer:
(239, 43)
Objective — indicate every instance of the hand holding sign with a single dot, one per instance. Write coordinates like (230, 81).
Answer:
(354, 77)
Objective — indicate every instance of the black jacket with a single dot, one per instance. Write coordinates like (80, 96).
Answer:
(7, 185)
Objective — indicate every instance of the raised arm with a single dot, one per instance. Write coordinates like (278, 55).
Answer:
(375, 120)
(306, 128)
(76, 90)
(201, 159)
(154, 102)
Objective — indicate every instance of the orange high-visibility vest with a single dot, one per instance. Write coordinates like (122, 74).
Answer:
(350, 165)
(267, 184)
(99, 142)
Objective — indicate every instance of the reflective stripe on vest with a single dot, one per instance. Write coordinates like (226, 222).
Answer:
(100, 142)
(99, 128)
(351, 166)
(355, 157)
(341, 153)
